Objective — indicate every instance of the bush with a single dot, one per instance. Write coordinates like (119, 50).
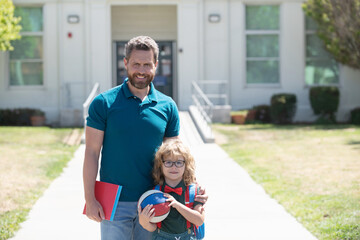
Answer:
(258, 114)
(283, 108)
(262, 113)
(355, 116)
(250, 117)
(17, 116)
(325, 102)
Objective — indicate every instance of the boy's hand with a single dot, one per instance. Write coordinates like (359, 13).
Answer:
(171, 199)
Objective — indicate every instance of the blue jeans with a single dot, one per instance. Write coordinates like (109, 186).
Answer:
(160, 235)
(125, 226)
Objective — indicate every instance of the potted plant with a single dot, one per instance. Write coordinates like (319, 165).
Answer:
(238, 117)
(37, 118)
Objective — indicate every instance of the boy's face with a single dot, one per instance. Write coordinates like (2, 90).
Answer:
(173, 174)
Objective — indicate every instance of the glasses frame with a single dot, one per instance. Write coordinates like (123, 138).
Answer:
(178, 163)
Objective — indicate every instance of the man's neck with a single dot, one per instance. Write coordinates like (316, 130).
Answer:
(140, 93)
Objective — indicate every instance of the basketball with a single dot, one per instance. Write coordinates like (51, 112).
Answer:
(157, 199)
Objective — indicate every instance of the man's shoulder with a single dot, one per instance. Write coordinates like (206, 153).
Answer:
(163, 98)
(110, 95)
(111, 92)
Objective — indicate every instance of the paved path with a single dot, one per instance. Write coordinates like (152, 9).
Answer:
(238, 208)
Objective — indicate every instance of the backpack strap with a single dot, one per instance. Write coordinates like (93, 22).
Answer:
(158, 187)
(190, 194)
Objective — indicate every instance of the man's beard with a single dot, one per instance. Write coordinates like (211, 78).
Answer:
(140, 84)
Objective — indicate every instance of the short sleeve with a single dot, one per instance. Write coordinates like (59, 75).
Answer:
(173, 125)
(97, 113)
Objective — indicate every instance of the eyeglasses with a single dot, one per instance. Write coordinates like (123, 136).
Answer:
(178, 164)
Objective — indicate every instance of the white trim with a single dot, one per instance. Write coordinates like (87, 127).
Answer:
(35, 60)
(263, 85)
(263, 59)
(263, 32)
(33, 34)
(32, 60)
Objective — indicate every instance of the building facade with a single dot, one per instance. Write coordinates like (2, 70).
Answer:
(258, 48)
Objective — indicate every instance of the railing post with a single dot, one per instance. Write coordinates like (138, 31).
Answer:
(94, 92)
(205, 108)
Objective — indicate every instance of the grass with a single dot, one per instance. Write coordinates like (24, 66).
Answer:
(31, 157)
(313, 171)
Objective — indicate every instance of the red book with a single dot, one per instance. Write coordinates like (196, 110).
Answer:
(107, 194)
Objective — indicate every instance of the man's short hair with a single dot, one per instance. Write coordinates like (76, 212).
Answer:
(141, 43)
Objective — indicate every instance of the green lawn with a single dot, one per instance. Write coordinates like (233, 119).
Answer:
(313, 171)
(30, 158)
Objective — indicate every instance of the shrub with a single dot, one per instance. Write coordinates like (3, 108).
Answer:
(17, 116)
(262, 113)
(325, 102)
(250, 117)
(355, 116)
(283, 108)
(38, 112)
(258, 114)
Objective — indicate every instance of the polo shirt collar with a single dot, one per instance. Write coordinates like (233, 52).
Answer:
(152, 95)
(181, 184)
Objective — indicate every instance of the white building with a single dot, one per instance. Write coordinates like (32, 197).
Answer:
(259, 47)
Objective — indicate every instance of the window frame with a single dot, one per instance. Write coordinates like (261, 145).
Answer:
(306, 58)
(40, 60)
(262, 32)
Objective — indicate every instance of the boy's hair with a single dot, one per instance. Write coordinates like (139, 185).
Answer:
(142, 43)
(174, 148)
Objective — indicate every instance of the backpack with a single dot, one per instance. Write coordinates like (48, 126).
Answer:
(190, 193)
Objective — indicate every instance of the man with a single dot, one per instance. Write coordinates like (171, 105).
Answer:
(129, 122)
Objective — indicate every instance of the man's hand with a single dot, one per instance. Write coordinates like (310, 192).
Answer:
(145, 216)
(94, 211)
(202, 197)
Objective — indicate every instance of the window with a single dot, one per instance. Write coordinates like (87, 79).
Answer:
(262, 44)
(26, 61)
(321, 68)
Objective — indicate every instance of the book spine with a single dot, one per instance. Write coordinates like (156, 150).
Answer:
(115, 203)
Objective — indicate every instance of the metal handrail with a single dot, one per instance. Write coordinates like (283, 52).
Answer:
(201, 93)
(204, 105)
(221, 92)
(94, 92)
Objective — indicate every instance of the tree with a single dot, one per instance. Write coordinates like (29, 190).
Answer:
(9, 25)
(338, 27)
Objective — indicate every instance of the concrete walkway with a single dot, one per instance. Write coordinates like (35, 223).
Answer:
(238, 208)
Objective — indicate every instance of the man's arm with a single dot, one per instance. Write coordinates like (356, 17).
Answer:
(93, 144)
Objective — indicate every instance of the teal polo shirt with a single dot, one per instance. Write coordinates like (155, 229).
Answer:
(133, 131)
